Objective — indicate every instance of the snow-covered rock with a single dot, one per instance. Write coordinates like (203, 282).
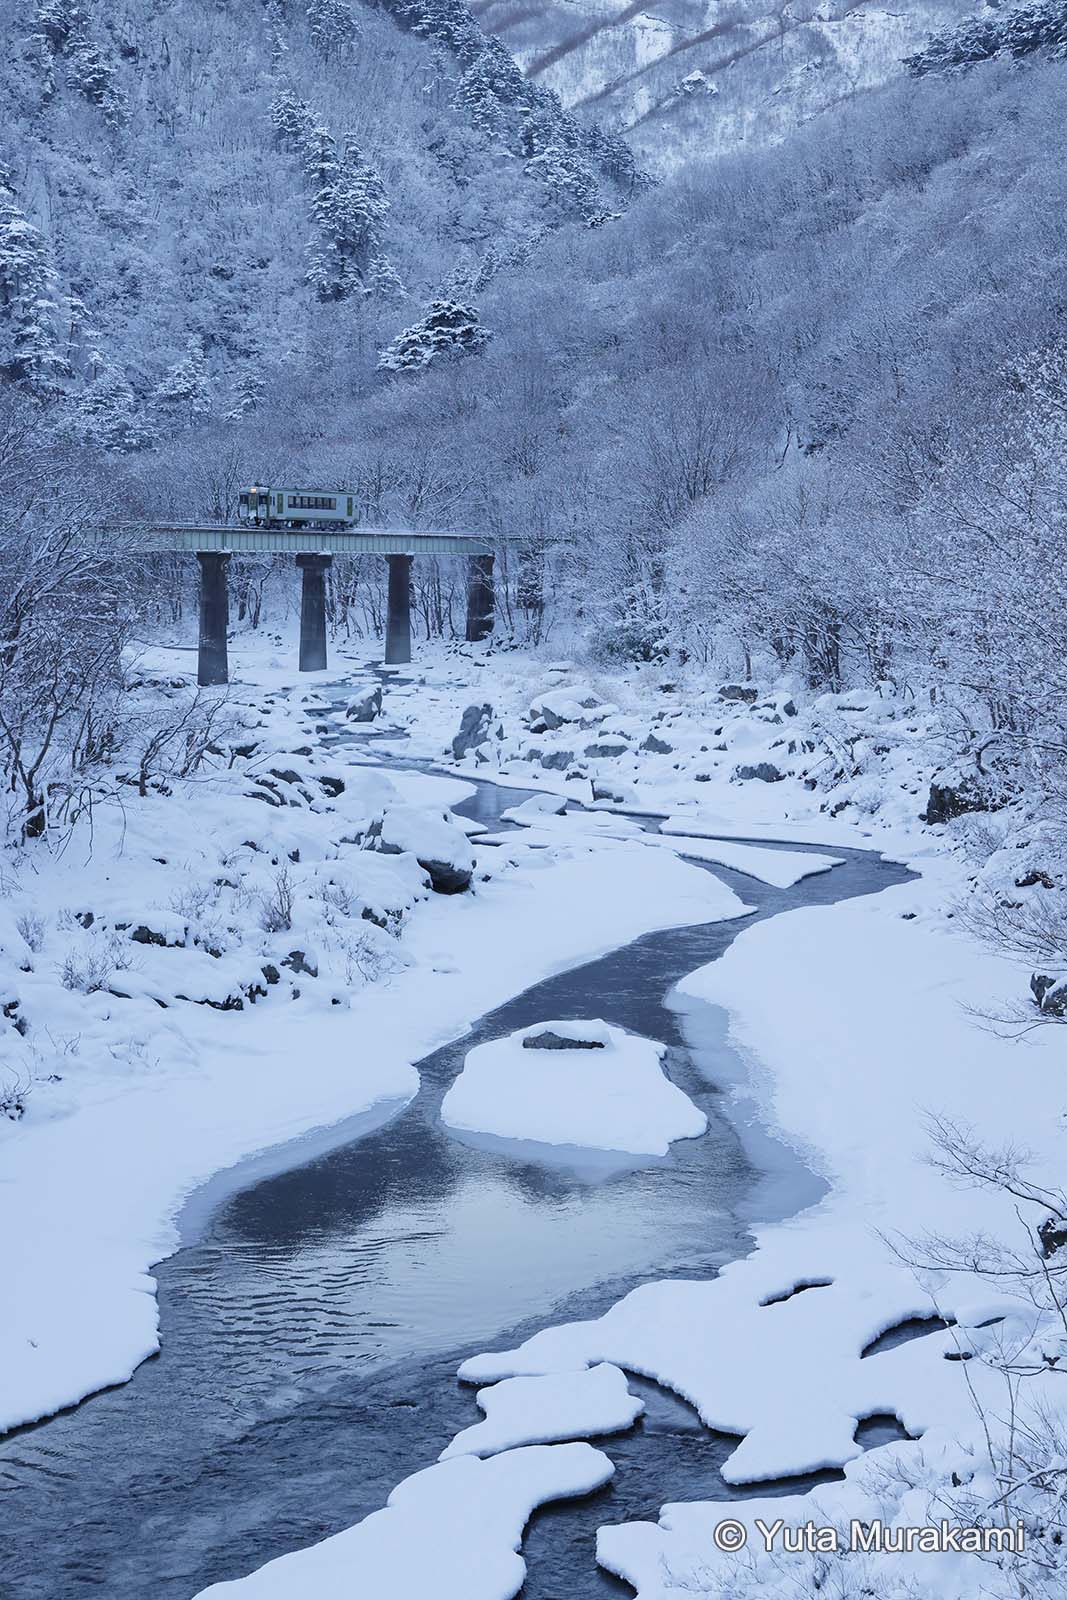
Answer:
(578, 703)
(437, 842)
(613, 1096)
(365, 706)
(474, 729)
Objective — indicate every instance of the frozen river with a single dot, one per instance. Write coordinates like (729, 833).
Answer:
(314, 1319)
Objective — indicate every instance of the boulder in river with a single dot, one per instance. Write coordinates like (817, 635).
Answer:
(474, 729)
(550, 711)
(1050, 994)
(365, 705)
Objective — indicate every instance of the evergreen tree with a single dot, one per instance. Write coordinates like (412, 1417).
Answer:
(447, 330)
(383, 281)
(349, 209)
(572, 188)
(275, 16)
(448, 23)
(107, 412)
(492, 91)
(183, 393)
(57, 21)
(333, 25)
(93, 74)
(249, 389)
(293, 123)
(28, 314)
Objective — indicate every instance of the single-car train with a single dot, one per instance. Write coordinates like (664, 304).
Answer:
(296, 508)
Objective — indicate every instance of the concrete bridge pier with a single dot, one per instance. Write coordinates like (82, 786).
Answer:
(398, 620)
(213, 663)
(313, 611)
(481, 599)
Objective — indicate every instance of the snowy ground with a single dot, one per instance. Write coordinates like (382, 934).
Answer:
(860, 1025)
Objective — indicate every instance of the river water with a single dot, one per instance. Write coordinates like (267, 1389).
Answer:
(313, 1321)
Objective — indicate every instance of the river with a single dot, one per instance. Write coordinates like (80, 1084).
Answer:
(313, 1320)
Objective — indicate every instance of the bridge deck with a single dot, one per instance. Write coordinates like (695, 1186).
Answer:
(146, 537)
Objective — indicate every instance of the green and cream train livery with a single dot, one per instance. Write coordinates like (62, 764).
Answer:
(296, 508)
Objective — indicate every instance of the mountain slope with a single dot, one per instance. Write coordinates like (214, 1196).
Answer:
(692, 77)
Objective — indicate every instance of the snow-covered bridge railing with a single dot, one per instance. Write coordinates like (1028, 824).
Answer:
(314, 548)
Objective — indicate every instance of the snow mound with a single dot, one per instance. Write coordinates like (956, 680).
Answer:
(563, 1405)
(615, 1097)
(452, 1531)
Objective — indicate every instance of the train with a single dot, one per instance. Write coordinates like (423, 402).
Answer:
(296, 508)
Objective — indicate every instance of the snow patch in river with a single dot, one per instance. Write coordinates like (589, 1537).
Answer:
(452, 1532)
(607, 1092)
(561, 1405)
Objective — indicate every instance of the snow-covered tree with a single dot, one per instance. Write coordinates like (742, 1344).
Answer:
(492, 91)
(349, 209)
(91, 71)
(107, 413)
(293, 123)
(448, 329)
(184, 393)
(572, 188)
(383, 281)
(333, 25)
(249, 388)
(29, 343)
(1023, 31)
(448, 23)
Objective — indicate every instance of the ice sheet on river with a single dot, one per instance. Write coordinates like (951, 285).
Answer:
(451, 1532)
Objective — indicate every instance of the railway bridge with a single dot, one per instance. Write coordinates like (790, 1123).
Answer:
(314, 550)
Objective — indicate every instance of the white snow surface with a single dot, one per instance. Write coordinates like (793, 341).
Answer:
(615, 1097)
(452, 1532)
(560, 1405)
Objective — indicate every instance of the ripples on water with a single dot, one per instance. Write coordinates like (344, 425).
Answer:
(312, 1328)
